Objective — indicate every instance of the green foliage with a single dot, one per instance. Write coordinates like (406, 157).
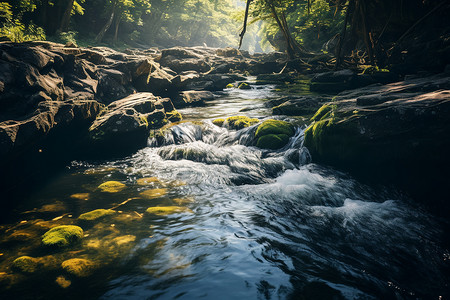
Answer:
(13, 29)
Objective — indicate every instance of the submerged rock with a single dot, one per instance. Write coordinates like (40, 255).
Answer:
(25, 264)
(96, 214)
(147, 180)
(111, 187)
(167, 210)
(78, 267)
(154, 193)
(244, 86)
(62, 236)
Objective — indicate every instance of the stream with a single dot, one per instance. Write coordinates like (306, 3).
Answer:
(248, 223)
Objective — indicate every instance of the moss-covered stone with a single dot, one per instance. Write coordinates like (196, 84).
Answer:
(111, 187)
(78, 267)
(230, 86)
(96, 214)
(274, 127)
(244, 86)
(218, 122)
(167, 210)
(63, 282)
(147, 181)
(239, 122)
(62, 236)
(323, 112)
(153, 193)
(272, 141)
(25, 264)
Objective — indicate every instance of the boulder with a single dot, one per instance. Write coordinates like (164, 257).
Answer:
(394, 134)
(125, 124)
(192, 98)
(305, 105)
(273, 134)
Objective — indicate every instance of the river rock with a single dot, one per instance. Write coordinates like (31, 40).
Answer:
(397, 133)
(193, 98)
(305, 105)
(126, 123)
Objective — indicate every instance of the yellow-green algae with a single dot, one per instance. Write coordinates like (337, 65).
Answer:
(63, 282)
(96, 214)
(62, 236)
(25, 264)
(79, 267)
(229, 86)
(174, 116)
(239, 122)
(147, 180)
(167, 210)
(111, 186)
(153, 193)
(244, 86)
(218, 122)
(80, 196)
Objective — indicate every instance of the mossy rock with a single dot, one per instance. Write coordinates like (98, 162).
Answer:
(96, 214)
(111, 187)
(244, 86)
(218, 122)
(174, 116)
(274, 127)
(323, 113)
(272, 141)
(153, 193)
(25, 264)
(147, 181)
(167, 210)
(230, 86)
(239, 122)
(78, 267)
(62, 236)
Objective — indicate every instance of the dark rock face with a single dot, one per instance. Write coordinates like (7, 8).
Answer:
(192, 98)
(397, 134)
(299, 106)
(125, 124)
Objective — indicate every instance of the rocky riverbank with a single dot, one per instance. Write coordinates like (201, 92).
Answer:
(60, 103)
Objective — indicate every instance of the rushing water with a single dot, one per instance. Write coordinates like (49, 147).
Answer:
(250, 224)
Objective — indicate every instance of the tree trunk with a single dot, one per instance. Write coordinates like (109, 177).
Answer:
(116, 31)
(66, 17)
(105, 28)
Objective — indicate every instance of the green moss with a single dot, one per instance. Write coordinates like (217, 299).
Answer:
(229, 86)
(323, 112)
(371, 70)
(272, 141)
(25, 264)
(78, 267)
(62, 236)
(239, 122)
(96, 214)
(111, 186)
(274, 127)
(174, 116)
(244, 86)
(218, 122)
(167, 210)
